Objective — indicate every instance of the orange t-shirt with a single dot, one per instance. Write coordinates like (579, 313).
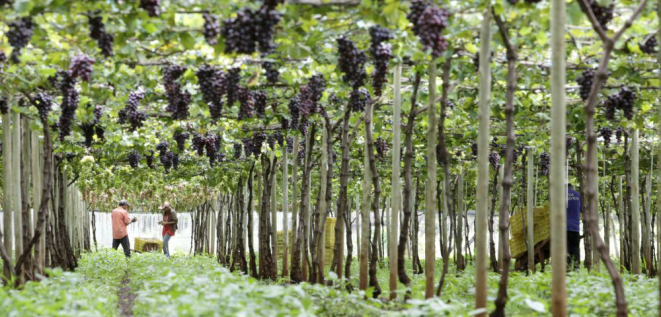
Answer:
(120, 219)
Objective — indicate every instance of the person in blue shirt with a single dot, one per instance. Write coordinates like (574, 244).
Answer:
(573, 228)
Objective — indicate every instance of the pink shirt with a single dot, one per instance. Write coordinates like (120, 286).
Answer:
(120, 219)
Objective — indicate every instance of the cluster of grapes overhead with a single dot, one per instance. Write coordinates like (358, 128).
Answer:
(290, 145)
(272, 73)
(429, 21)
(585, 83)
(569, 142)
(248, 148)
(151, 6)
(211, 28)
(603, 14)
(43, 102)
(544, 160)
(277, 135)
(251, 30)
(233, 80)
(180, 137)
(260, 103)
(162, 147)
(3, 58)
(19, 34)
(212, 145)
(381, 50)
(149, 158)
(167, 159)
(624, 100)
(649, 47)
(98, 32)
(381, 148)
(351, 62)
(178, 99)
(474, 149)
(213, 85)
(618, 134)
(93, 127)
(301, 107)
(130, 114)
(270, 140)
(81, 66)
(246, 103)
(257, 142)
(134, 158)
(493, 159)
(606, 133)
(197, 143)
(67, 86)
(294, 112)
(301, 154)
(358, 99)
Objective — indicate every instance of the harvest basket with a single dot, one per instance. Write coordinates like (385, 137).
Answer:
(541, 230)
(329, 240)
(148, 245)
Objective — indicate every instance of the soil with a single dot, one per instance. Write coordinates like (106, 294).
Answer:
(126, 297)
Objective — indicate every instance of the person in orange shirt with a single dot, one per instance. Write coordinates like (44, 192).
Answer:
(120, 220)
(169, 224)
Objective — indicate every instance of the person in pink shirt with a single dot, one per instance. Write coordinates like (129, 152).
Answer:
(120, 220)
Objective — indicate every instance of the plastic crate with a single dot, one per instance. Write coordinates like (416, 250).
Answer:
(541, 230)
(148, 244)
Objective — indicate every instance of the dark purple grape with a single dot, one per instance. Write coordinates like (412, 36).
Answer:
(197, 143)
(98, 32)
(606, 134)
(151, 6)
(429, 21)
(150, 159)
(359, 99)
(260, 103)
(247, 103)
(351, 62)
(544, 160)
(178, 99)
(180, 137)
(211, 28)
(134, 158)
(272, 73)
(250, 30)
(213, 86)
(237, 150)
(290, 145)
(130, 114)
(381, 148)
(19, 35)
(43, 102)
(81, 66)
(162, 147)
(585, 83)
(603, 14)
(382, 53)
(257, 142)
(649, 47)
(494, 158)
(248, 147)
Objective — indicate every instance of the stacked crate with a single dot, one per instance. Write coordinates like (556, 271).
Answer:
(329, 240)
(519, 221)
(146, 245)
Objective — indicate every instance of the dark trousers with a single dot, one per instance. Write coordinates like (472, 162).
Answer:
(573, 250)
(126, 245)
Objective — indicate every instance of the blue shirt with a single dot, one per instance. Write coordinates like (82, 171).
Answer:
(573, 211)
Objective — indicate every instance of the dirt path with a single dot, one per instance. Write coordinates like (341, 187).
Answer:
(126, 297)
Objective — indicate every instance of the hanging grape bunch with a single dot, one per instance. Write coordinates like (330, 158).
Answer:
(358, 99)
(98, 113)
(569, 142)
(81, 66)
(277, 135)
(70, 99)
(603, 14)
(429, 21)
(610, 105)
(476, 60)
(246, 103)
(178, 99)
(474, 149)
(544, 160)
(233, 79)
(381, 148)
(150, 159)
(4, 107)
(167, 159)
(3, 58)
(211, 145)
(134, 158)
(130, 114)
(98, 32)
(290, 145)
(88, 132)
(649, 47)
(585, 83)
(211, 28)
(272, 73)
(260, 103)
(175, 161)
(43, 102)
(162, 147)
(197, 144)
(19, 35)
(351, 62)
(151, 6)
(310, 95)
(381, 51)
(250, 30)
(180, 137)
(248, 147)
(301, 154)
(257, 142)
(493, 159)
(606, 134)
(220, 157)
(618, 134)
(237, 150)
(627, 100)
(212, 82)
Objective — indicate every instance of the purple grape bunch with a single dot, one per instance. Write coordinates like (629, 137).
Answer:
(429, 21)
(134, 158)
(19, 35)
(130, 114)
(213, 85)
(178, 99)
(211, 28)
(381, 51)
(81, 66)
(98, 32)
